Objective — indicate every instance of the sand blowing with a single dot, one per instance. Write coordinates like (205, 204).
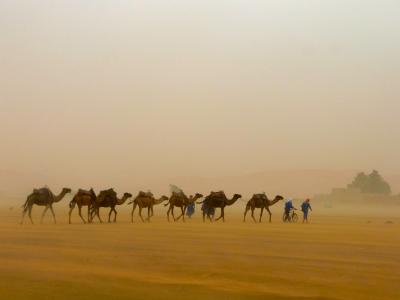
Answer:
(199, 149)
(332, 258)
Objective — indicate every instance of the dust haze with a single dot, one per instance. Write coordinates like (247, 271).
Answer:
(133, 95)
(291, 98)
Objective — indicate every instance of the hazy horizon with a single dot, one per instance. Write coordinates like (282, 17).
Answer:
(98, 91)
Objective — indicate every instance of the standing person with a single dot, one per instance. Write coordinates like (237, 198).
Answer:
(305, 206)
(190, 208)
(288, 207)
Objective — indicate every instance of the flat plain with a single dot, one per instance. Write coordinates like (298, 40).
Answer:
(333, 257)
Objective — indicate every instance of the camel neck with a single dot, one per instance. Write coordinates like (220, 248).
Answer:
(273, 201)
(158, 201)
(60, 196)
(122, 200)
(233, 200)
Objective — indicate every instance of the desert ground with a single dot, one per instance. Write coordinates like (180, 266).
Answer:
(333, 257)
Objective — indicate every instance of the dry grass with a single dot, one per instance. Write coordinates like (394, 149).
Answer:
(332, 258)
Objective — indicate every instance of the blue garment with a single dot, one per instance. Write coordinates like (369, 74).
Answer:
(288, 205)
(305, 207)
(190, 209)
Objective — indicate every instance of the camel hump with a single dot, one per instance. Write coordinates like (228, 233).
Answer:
(262, 196)
(145, 194)
(109, 192)
(218, 194)
(82, 192)
(42, 191)
(178, 192)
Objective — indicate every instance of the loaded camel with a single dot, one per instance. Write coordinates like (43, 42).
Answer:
(145, 200)
(108, 198)
(179, 199)
(82, 198)
(42, 197)
(260, 201)
(218, 200)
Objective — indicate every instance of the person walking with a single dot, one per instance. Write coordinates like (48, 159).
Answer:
(190, 209)
(305, 207)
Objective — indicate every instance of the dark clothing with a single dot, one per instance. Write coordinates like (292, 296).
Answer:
(288, 205)
(190, 210)
(305, 207)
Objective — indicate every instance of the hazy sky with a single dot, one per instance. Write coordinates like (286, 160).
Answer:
(108, 90)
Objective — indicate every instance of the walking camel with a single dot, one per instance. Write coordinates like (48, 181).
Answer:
(42, 197)
(260, 201)
(145, 200)
(83, 198)
(218, 200)
(179, 199)
(108, 198)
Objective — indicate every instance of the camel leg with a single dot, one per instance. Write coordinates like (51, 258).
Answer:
(252, 214)
(133, 211)
(109, 216)
(70, 213)
(30, 213)
(97, 212)
(54, 215)
(23, 215)
(177, 219)
(80, 214)
(183, 213)
(270, 215)
(221, 216)
(261, 213)
(89, 216)
(140, 213)
(172, 212)
(148, 213)
(115, 214)
(168, 212)
(204, 216)
(44, 212)
(245, 213)
(152, 211)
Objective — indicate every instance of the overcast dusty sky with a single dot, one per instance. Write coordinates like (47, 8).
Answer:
(109, 90)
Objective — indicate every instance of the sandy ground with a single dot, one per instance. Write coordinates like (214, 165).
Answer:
(331, 258)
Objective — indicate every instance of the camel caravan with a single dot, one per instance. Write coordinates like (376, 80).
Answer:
(143, 200)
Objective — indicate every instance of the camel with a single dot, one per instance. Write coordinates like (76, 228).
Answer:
(108, 198)
(82, 198)
(145, 200)
(42, 197)
(179, 199)
(260, 201)
(218, 200)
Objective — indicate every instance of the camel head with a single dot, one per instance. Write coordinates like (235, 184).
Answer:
(164, 198)
(127, 195)
(237, 196)
(276, 199)
(198, 196)
(66, 190)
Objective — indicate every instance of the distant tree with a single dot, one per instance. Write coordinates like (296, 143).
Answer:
(372, 183)
(360, 182)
